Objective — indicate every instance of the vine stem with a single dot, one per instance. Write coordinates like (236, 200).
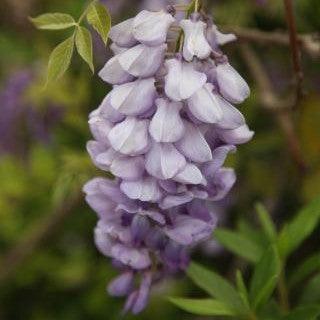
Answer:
(295, 47)
(37, 236)
(283, 293)
(280, 108)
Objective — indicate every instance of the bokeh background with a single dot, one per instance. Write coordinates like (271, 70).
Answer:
(49, 267)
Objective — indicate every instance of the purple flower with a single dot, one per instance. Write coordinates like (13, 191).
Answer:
(232, 86)
(164, 161)
(164, 131)
(121, 34)
(217, 38)
(182, 80)
(166, 124)
(113, 72)
(205, 105)
(193, 144)
(133, 98)
(138, 299)
(195, 44)
(187, 230)
(141, 60)
(122, 285)
(145, 189)
(130, 137)
(151, 28)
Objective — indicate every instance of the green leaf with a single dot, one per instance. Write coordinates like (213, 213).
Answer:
(53, 21)
(238, 244)
(84, 46)
(312, 264)
(253, 233)
(294, 233)
(243, 292)
(265, 278)
(304, 313)
(60, 59)
(216, 286)
(204, 307)
(270, 311)
(99, 17)
(266, 222)
(311, 292)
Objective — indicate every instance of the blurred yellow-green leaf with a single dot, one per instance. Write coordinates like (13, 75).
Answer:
(84, 46)
(60, 59)
(100, 19)
(53, 21)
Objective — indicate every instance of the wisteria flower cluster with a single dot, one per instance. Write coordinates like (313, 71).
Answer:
(164, 132)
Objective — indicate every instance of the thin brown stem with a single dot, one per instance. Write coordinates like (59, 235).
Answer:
(309, 43)
(283, 293)
(30, 242)
(295, 47)
(279, 108)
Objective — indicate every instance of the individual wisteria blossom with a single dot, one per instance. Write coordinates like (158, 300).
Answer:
(164, 132)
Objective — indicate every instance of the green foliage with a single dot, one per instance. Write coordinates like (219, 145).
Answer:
(99, 17)
(268, 272)
(238, 244)
(53, 21)
(60, 59)
(245, 244)
(242, 289)
(216, 286)
(205, 307)
(84, 46)
(305, 269)
(304, 313)
(264, 278)
(311, 291)
(266, 222)
(297, 230)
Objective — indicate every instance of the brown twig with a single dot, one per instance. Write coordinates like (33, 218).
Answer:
(309, 43)
(36, 237)
(280, 108)
(295, 47)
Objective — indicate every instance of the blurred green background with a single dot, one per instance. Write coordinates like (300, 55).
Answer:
(49, 267)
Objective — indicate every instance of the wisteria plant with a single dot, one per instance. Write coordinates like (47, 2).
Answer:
(161, 137)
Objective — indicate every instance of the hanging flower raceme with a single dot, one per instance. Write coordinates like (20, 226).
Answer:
(164, 132)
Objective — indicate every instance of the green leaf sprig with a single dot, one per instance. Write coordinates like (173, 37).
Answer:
(255, 300)
(96, 15)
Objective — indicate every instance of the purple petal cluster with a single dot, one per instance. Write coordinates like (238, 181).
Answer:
(164, 131)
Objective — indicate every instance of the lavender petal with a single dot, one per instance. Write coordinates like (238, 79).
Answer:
(166, 125)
